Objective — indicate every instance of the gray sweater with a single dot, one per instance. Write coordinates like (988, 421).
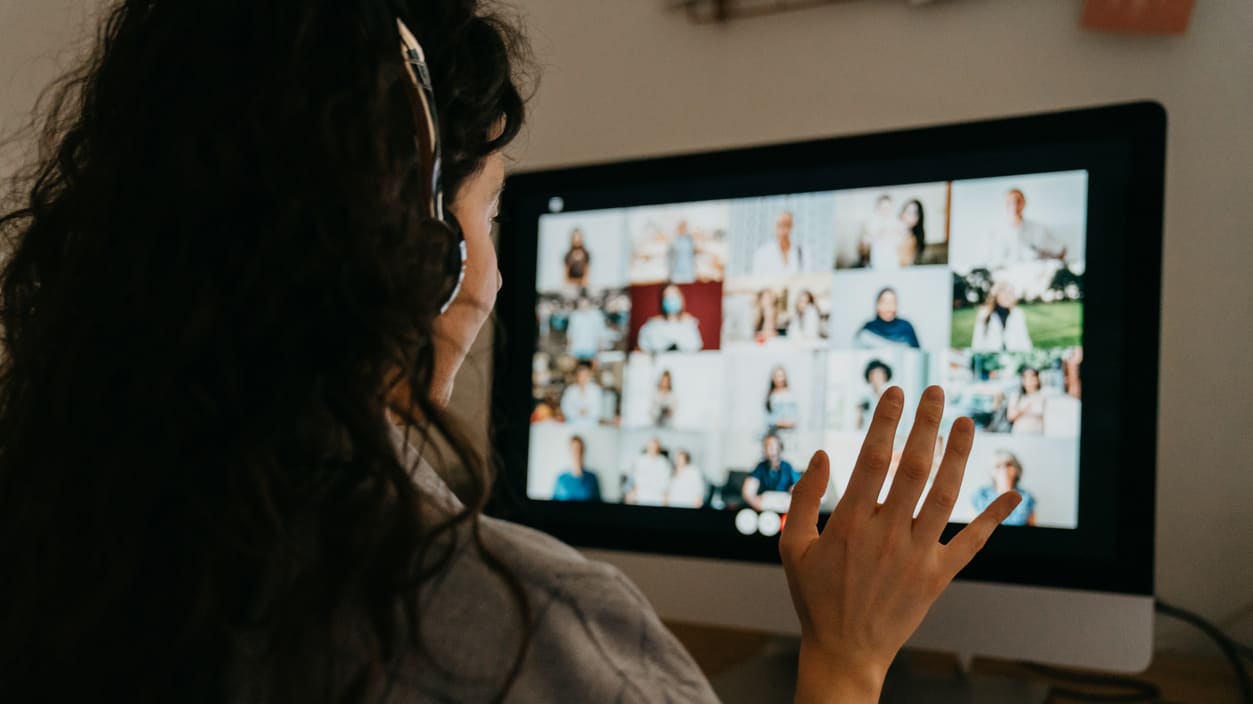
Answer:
(594, 637)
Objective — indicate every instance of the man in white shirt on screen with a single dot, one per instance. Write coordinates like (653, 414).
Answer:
(1019, 240)
(782, 256)
(582, 401)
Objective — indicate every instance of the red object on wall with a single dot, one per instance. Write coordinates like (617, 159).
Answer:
(1145, 16)
(703, 300)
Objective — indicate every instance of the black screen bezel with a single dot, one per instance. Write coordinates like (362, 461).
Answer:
(1123, 149)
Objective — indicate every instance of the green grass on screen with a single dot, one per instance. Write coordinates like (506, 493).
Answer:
(1049, 324)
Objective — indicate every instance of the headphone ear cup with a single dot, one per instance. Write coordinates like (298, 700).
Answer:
(453, 247)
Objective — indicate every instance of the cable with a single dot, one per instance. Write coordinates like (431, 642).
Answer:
(1229, 647)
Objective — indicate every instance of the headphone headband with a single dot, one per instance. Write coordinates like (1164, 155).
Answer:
(427, 137)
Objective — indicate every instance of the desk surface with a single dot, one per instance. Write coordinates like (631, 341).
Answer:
(1185, 679)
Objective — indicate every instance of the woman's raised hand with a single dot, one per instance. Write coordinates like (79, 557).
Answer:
(863, 585)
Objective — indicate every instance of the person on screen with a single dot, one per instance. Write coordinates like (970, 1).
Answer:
(772, 473)
(664, 401)
(673, 329)
(687, 484)
(782, 409)
(913, 219)
(649, 481)
(886, 330)
(582, 401)
(882, 237)
(577, 483)
(780, 255)
(586, 331)
(682, 255)
(578, 261)
(1000, 325)
(766, 326)
(1026, 408)
(1072, 361)
(877, 376)
(1006, 476)
(1019, 239)
(806, 322)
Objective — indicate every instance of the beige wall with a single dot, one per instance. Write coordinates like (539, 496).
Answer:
(626, 78)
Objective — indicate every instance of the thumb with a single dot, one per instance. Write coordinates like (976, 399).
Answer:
(802, 522)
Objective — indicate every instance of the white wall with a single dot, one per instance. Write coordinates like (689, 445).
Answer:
(624, 78)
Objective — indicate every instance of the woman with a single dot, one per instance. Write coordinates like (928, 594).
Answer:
(766, 324)
(673, 329)
(882, 238)
(687, 484)
(782, 409)
(877, 375)
(806, 320)
(1000, 324)
(649, 481)
(681, 255)
(664, 401)
(1026, 408)
(220, 281)
(578, 261)
(886, 330)
(1006, 475)
(914, 221)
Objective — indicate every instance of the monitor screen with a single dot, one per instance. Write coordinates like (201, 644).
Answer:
(695, 355)
(683, 333)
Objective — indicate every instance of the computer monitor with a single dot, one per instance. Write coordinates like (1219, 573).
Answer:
(680, 334)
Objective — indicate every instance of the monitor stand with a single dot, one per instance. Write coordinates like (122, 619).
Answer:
(770, 676)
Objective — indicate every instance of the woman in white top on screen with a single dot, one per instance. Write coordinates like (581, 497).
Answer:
(1000, 324)
(882, 237)
(1026, 409)
(687, 484)
(582, 401)
(674, 329)
(782, 410)
(650, 476)
(806, 320)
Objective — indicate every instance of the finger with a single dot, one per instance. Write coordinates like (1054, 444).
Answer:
(875, 456)
(942, 498)
(802, 519)
(919, 457)
(963, 547)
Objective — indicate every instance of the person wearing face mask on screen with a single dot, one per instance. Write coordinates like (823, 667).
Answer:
(674, 329)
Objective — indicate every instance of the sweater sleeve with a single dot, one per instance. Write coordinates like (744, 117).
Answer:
(605, 645)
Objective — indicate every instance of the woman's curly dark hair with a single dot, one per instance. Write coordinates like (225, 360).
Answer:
(215, 272)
